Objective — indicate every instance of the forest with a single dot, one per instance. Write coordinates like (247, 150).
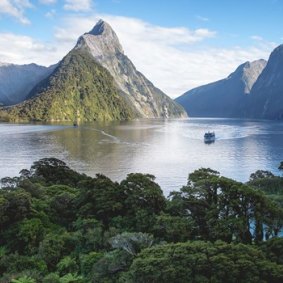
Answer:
(58, 225)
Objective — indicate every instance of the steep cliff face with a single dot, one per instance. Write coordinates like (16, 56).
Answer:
(266, 97)
(150, 102)
(224, 98)
(16, 81)
(78, 89)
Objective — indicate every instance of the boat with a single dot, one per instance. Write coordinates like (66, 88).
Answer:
(209, 137)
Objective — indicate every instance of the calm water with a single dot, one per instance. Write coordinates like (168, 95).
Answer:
(167, 149)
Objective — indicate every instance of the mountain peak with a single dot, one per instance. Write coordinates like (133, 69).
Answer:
(101, 27)
(248, 73)
(101, 40)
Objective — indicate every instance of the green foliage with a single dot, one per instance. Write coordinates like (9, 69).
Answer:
(51, 278)
(203, 262)
(67, 265)
(71, 278)
(54, 247)
(78, 90)
(273, 249)
(100, 198)
(174, 228)
(57, 225)
(53, 171)
(142, 202)
(261, 174)
(272, 186)
(110, 266)
(24, 279)
(225, 209)
(88, 261)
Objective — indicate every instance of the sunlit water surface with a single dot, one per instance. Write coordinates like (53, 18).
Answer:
(168, 149)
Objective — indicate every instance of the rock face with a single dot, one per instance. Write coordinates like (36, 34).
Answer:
(266, 97)
(225, 98)
(16, 81)
(104, 46)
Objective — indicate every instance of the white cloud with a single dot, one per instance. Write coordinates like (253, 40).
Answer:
(256, 37)
(21, 49)
(78, 5)
(48, 2)
(51, 14)
(174, 59)
(201, 18)
(15, 8)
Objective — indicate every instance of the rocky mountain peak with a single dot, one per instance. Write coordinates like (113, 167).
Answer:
(101, 27)
(251, 72)
(101, 41)
(248, 73)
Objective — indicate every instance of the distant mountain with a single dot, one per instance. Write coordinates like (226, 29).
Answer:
(150, 102)
(224, 98)
(95, 81)
(266, 97)
(16, 81)
(78, 89)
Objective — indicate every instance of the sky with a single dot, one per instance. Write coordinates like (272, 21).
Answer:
(178, 45)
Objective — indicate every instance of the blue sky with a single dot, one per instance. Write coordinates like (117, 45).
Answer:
(177, 44)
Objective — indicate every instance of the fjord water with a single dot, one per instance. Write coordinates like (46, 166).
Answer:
(168, 149)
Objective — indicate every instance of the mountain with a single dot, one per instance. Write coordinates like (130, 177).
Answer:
(16, 81)
(95, 81)
(266, 97)
(78, 89)
(225, 98)
(150, 102)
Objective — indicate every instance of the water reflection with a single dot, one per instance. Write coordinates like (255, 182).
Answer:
(168, 149)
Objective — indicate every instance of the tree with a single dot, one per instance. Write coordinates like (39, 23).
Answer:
(261, 174)
(203, 262)
(53, 171)
(15, 205)
(174, 228)
(143, 201)
(67, 265)
(228, 210)
(100, 198)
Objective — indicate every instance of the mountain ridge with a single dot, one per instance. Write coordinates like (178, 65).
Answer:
(18, 80)
(225, 98)
(266, 98)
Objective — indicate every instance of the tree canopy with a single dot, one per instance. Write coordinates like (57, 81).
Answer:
(57, 225)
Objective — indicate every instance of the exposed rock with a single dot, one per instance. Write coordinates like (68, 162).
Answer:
(103, 43)
(224, 98)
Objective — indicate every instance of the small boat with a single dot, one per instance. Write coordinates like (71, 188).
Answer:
(209, 137)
